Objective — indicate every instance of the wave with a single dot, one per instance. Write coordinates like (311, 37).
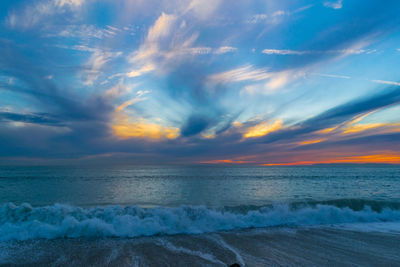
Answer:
(23, 222)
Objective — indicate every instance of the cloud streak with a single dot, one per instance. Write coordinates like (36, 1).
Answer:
(231, 82)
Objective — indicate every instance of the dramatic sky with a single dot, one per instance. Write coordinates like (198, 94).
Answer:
(199, 81)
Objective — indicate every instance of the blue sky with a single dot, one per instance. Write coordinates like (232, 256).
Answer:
(212, 81)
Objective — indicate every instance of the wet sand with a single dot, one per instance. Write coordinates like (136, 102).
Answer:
(278, 247)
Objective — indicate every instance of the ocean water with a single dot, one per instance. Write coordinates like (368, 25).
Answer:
(117, 211)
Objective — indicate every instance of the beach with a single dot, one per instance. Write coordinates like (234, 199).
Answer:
(257, 247)
(200, 216)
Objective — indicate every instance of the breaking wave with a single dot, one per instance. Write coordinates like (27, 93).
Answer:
(23, 222)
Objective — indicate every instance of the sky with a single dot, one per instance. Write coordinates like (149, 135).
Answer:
(199, 81)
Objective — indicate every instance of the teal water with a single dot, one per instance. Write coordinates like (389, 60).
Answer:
(129, 201)
(213, 186)
(199, 215)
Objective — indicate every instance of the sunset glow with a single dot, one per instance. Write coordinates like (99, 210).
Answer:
(187, 82)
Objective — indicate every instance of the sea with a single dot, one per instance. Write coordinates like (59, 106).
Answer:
(202, 215)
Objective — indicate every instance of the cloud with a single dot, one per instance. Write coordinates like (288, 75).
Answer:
(161, 28)
(284, 52)
(358, 128)
(347, 51)
(276, 81)
(275, 17)
(355, 127)
(225, 49)
(226, 161)
(195, 124)
(388, 158)
(73, 3)
(124, 128)
(128, 103)
(161, 46)
(245, 73)
(135, 73)
(34, 118)
(361, 106)
(96, 62)
(132, 101)
(257, 18)
(386, 82)
(203, 9)
(263, 128)
(118, 90)
(82, 31)
(36, 12)
(332, 76)
(312, 141)
(327, 130)
(335, 5)
(168, 43)
(334, 120)
(187, 54)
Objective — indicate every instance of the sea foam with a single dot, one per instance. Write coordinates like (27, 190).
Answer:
(23, 222)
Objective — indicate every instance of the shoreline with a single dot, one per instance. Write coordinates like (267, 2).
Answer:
(257, 247)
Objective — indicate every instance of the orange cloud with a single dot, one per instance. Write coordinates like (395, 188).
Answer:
(375, 158)
(123, 128)
(263, 129)
(359, 118)
(309, 142)
(368, 126)
(128, 103)
(237, 124)
(208, 135)
(354, 126)
(221, 161)
(327, 130)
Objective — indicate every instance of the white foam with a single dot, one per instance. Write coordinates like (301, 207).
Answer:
(204, 256)
(382, 227)
(223, 244)
(60, 221)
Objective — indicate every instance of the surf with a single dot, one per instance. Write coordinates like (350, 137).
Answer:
(24, 222)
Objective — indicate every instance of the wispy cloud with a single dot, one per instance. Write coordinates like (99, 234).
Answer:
(386, 82)
(263, 128)
(167, 43)
(37, 11)
(284, 52)
(226, 161)
(118, 90)
(203, 9)
(349, 51)
(225, 49)
(332, 75)
(312, 141)
(124, 128)
(276, 81)
(359, 128)
(83, 31)
(139, 97)
(212, 96)
(257, 18)
(274, 17)
(74, 3)
(95, 63)
(335, 5)
(245, 73)
(389, 158)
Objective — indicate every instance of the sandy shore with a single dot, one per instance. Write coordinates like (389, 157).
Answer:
(279, 247)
